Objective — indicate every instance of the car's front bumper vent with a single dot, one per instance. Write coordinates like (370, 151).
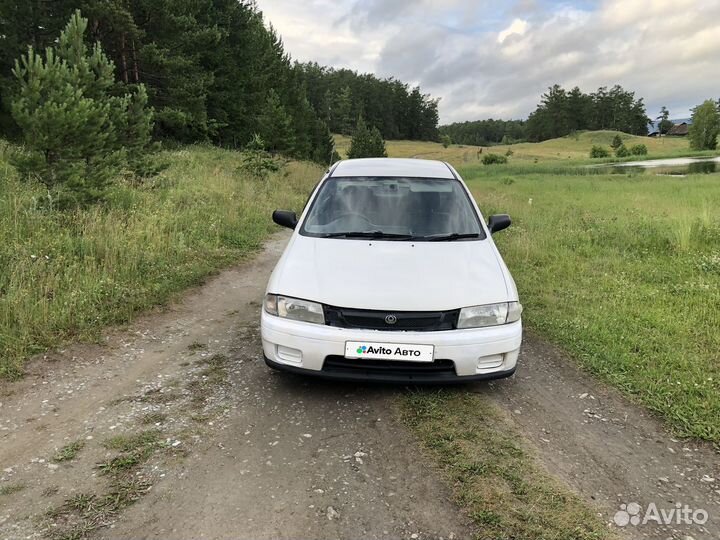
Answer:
(390, 369)
(416, 321)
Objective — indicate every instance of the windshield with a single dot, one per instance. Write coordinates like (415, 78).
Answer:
(423, 209)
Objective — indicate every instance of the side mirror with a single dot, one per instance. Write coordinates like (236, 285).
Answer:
(498, 222)
(285, 218)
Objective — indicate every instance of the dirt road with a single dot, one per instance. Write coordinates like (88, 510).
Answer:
(611, 452)
(249, 453)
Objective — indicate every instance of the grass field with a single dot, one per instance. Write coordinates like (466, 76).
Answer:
(64, 276)
(624, 272)
(577, 147)
(571, 148)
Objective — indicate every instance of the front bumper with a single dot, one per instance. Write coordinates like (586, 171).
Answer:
(475, 354)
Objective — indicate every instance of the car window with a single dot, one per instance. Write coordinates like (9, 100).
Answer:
(403, 208)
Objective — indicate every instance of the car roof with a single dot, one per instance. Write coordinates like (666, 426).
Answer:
(410, 168)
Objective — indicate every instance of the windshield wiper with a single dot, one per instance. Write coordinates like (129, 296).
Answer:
(366, 234)
(448, 237)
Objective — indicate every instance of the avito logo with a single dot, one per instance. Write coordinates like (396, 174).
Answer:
(378, 349)
(633, 514)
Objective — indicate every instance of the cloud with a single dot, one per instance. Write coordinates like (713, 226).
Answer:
(517, 27)
(488, 61)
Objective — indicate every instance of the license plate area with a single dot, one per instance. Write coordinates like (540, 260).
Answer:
(372, 350)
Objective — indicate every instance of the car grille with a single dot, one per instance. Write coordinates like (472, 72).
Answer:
(417, 321)
(389, 369)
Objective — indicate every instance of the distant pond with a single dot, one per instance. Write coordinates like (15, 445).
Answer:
(671, 166)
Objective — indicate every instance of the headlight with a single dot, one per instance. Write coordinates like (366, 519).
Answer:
(489, 315)
(294, 308)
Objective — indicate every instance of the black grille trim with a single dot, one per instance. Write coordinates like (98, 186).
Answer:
(415, 321)
(390, 368)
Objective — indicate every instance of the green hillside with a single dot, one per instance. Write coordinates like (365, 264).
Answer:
(576, 148)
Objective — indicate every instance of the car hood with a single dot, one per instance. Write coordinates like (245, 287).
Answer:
(387, 275)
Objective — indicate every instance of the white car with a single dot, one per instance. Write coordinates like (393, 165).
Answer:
(391, 275)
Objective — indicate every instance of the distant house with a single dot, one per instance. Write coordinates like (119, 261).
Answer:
(680, 125)
(679, 130)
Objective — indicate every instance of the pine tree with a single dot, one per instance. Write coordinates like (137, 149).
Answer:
(579, 108)
(360, 142)
(258, 163)
(560, 112)
(377, 144)
(111, 23)
(366, 143)
(77, 133)
(23, 24)
(341, 112)
(323, 145)
(135, 135)
(179, 36)
(275, 125)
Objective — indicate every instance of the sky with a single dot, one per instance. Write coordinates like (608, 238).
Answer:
(489, 59)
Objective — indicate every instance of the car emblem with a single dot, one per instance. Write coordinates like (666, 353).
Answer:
(390, 319)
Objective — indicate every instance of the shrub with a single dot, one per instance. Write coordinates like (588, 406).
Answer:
(705, 126)
(493, 159)
(638, 150)
(616, 142)
(445, 140)
(622, 151)
(599, 152)
(509, 152)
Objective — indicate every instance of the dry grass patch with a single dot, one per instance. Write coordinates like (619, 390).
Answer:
(9, 489)
(214, 373)
(153, 418)
(79, 516)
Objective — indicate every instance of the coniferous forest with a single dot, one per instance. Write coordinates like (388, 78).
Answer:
(559, 113)
(216, 71)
